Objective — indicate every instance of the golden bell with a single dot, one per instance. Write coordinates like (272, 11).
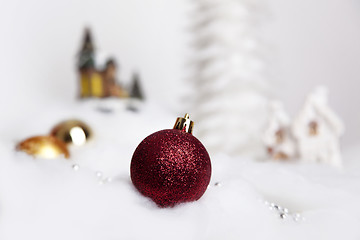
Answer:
(72, 132)
(184, 124)
(44, 147)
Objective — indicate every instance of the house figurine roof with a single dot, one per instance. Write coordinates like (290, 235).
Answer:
(87, 58)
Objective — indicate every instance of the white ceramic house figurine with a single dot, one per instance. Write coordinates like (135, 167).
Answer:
(277, 137)
(317, 130)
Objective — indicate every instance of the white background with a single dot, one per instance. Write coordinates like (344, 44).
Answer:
(310, 42)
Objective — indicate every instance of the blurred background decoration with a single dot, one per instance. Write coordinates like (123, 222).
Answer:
(72, 131)
(46, 147)
(97, 76)
(301, 43)
(230, 89)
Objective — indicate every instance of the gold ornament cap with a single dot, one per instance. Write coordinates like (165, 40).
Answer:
(184, 124)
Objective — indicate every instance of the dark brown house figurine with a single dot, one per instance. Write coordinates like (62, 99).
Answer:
(97, 80)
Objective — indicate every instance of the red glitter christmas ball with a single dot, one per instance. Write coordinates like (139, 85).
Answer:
(171, 166)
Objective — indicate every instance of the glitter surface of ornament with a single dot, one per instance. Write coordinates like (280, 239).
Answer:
(170, 167)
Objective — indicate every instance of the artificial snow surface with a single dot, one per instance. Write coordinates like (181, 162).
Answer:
(46, 199)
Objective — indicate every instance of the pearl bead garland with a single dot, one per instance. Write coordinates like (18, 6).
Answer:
(281, 212)
(99, 175)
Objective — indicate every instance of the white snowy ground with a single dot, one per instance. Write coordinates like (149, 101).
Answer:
(47, 199)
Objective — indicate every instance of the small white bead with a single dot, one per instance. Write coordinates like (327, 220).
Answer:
(75, 167)
(99, 174)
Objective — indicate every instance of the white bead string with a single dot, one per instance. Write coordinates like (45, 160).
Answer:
(281, 212)
(101, 179)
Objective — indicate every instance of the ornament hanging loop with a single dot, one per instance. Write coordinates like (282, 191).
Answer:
(184, 124)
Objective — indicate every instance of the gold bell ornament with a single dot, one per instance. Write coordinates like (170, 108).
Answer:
(73, 132)
(68, 132)
(44, 147)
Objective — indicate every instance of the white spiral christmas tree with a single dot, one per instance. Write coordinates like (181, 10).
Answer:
(230, 103)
